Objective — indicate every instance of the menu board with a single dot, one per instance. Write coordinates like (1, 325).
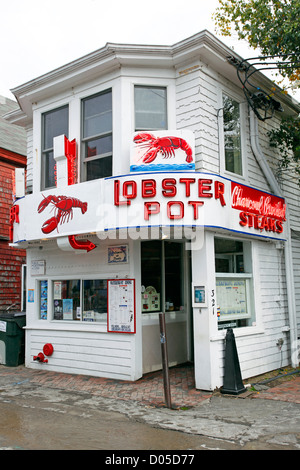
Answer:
(121, 305)
(231, 297)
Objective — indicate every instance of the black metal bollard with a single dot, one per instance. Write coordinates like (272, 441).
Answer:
(233, 383)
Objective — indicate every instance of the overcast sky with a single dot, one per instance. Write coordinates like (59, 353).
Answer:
(37, 36)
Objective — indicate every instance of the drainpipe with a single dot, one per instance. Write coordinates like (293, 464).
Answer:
(275, 188)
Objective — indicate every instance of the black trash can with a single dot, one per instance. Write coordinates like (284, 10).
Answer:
(12, 338)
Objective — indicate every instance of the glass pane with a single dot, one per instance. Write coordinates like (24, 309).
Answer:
(66, 300)
(49, 164)
(97, 115)
(94, 300)
(98, 146)
(100, 168)
(55, 123)
(232, 135)
(229, 257)
(150, 108)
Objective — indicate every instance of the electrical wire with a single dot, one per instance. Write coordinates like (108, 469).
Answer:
(262, 103)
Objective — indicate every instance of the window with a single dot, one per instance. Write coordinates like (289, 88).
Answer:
(162, 276)
(234, 283)
(150, 108)
(54, 123)
(232, 135)
(74, 300)
(97, 136)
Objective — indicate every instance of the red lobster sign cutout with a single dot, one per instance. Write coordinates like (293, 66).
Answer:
(63, 207)
(165, 145)
(63, 210)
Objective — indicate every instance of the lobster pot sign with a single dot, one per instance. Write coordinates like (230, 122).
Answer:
(163, 151)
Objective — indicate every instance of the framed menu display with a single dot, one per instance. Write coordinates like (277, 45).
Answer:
(121, 306)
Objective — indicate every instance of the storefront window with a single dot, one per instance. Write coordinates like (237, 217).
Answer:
(150, 108)
(232, 135)
(162, 276)
(234, 283)
(74, 300)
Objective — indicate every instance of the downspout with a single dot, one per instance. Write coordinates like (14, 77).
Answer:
(275, 188)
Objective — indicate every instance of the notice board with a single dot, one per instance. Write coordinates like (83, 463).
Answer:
(121, 317)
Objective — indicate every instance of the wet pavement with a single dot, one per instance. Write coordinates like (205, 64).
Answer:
(266, 416)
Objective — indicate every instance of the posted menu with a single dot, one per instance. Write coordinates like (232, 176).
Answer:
(121, 305)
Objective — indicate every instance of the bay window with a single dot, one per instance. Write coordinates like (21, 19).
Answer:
(97, 136)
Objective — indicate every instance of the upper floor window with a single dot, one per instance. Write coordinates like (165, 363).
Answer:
(232, 135)
(97, 136)
(150, 105)
(54, 123)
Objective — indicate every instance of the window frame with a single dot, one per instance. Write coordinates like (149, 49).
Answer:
(50, 300)
(83, 140)
(46, 151)
(242, 118)
(247, 276)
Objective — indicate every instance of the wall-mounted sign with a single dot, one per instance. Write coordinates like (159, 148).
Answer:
(117, 254)
(121, 306)
(199, 295)
(38, 267)
(138, 200)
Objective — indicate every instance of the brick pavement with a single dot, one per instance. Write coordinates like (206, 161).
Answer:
(149, 390)
(288, 391)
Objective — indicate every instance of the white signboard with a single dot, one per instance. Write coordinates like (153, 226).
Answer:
(38, 267)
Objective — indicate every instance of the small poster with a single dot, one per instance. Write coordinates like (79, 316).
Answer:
(121, 305)
(30, 295)
(44, 300)
(67, 309)
(199, 295)
(57, 290)
(58, 310)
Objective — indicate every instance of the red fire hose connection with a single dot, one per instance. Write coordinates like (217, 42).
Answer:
(47, 351)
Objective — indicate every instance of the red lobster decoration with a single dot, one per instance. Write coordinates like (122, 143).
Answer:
(63, 206)
(164, 145)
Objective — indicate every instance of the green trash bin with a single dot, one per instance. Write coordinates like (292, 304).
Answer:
(12, 338)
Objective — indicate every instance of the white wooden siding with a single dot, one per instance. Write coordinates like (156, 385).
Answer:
(86, 353)
(29, 169)
(296, 259)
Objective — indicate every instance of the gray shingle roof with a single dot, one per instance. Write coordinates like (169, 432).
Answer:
(12, 137)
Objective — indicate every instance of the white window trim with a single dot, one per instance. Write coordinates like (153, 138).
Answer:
(169, 84)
